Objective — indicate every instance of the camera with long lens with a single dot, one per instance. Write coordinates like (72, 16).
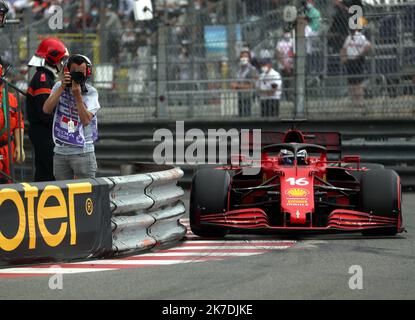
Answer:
(78, 77)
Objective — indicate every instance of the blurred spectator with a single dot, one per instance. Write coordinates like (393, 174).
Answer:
(285, 58)
(246, 77)
(186, 69)
(113, 28)
(312, 29)
(39, 8)
(111, 19)
(353, 55)
(78, 23)
(184, 66)
(94, 17)
(224, 71)
(129, 40)
(212, 13)
(255, 62)
(269, 89)
(339, 28)
(125, 9)
(68, 27)
(69, 8)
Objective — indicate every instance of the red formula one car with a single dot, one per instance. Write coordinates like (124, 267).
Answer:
(298, 188)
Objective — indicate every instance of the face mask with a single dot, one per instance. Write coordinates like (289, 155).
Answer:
(287, 35)
(244, 61)
(264, 69)
(94, 13)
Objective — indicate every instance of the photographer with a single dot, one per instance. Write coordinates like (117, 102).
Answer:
(75, 129)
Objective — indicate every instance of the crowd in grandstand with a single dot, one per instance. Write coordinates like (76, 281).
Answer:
(133, 45)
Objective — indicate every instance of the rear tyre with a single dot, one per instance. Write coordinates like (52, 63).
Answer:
(381, 196)
(209, 195)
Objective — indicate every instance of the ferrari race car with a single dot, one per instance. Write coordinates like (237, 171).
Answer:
(297, 188)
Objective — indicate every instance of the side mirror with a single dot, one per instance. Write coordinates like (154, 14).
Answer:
(351, 159)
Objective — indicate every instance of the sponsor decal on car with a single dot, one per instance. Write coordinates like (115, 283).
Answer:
(297, 192)
(297, 197)
(297, 202)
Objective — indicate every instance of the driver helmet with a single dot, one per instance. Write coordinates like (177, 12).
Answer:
(301, 156)
(287, 157)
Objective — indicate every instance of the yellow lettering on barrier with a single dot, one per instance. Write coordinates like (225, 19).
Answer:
(11, 244)
(30, 194)
(75, 188)
(44, 213)
(52, 212)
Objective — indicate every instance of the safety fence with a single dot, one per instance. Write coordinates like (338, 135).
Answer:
(216, 99)
(185, 60)
(94, 218)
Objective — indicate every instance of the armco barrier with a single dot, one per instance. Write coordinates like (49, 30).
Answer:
(66, 220)
(146, 210)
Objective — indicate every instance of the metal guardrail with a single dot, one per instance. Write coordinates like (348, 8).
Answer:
(146, 209)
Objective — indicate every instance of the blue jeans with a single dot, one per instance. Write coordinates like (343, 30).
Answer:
(75, 166)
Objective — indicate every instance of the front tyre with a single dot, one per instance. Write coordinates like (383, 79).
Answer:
(381, 196)
(365, 166)
(209, 194)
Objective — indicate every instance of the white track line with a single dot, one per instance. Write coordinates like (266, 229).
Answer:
(201, 254)
(258, 247)
(24, 270)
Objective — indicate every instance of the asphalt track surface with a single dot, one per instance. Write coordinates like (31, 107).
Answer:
(314, 267)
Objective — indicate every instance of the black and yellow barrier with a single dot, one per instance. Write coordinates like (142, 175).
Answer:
(54, 221)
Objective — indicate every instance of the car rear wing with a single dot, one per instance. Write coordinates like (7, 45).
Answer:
(330, 140)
